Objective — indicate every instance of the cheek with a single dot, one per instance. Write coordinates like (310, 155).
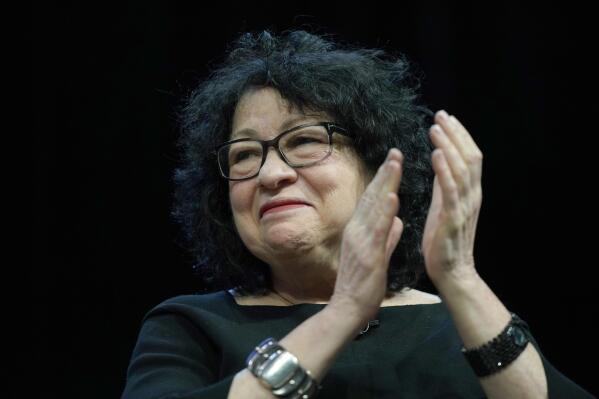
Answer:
(240, 197)
(340, 192)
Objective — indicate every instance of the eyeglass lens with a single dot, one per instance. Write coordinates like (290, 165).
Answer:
(300, 147)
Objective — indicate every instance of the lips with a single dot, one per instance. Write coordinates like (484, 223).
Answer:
(281, 202)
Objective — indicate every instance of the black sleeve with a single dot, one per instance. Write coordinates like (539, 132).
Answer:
(561, 387)
(558, 385)
(173, 359)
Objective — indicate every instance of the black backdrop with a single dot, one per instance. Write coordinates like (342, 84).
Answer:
(105, 83)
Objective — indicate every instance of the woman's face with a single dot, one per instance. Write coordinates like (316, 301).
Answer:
(332, 187)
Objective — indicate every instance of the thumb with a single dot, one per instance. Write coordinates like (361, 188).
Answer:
(393, 237)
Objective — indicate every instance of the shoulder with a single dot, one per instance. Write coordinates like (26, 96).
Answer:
(192, 304)
(202, 300)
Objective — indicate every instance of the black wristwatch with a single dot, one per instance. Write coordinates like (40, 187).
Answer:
(502, 350)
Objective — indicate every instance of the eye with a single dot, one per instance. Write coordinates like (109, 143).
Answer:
(304, 140)
(242, 155)
(307, 139)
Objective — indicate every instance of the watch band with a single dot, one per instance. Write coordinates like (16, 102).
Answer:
(280, 371)
(261, 353)
(502, 350)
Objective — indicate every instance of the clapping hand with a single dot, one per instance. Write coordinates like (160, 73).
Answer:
(449, 232)
(369, 239)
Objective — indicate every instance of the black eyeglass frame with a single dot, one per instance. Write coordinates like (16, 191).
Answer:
(331, 127)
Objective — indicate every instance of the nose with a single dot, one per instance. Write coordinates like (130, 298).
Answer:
(275, 170)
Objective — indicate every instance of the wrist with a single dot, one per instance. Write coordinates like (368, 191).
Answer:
(345, 313)
(458, 284)
(478, 314)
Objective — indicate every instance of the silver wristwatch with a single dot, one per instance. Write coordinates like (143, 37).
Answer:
(280, 371)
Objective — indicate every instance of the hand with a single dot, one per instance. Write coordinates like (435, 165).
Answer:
(369, 239)
(448, 239)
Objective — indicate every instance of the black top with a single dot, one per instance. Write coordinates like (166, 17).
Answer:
(191, 347)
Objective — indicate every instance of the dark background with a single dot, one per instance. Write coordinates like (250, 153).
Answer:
(105, 84)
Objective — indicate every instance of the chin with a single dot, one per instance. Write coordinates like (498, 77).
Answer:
(286, 241)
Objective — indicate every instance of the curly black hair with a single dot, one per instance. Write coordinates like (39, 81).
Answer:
(368, 91)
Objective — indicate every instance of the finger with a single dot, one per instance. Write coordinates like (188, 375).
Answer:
(458, 167)
(437, 200)
(388, 176)
(393, 237)
(466, 138)
(383, 221)
(393, 180)
(456, 137)
(448, 185)
(435, 208)
(386, 180)
(474, 156)
(462, 139)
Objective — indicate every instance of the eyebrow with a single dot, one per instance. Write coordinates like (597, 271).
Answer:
(249, 132)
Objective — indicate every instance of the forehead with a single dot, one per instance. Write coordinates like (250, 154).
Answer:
(262, 111)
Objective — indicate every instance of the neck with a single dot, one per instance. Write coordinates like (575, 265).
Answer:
(295, 293)
(304, 281)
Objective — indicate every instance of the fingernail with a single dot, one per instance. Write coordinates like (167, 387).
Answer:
(388, 156)
(443, 115)
(391, 163)
(400, 156)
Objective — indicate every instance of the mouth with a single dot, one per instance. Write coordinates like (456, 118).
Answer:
(283, 208)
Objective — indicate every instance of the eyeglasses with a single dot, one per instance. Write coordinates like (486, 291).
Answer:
(299, 146)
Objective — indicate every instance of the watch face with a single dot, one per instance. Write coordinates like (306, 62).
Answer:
(518, 336)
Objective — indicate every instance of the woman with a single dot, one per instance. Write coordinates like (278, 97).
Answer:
(295, 152)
